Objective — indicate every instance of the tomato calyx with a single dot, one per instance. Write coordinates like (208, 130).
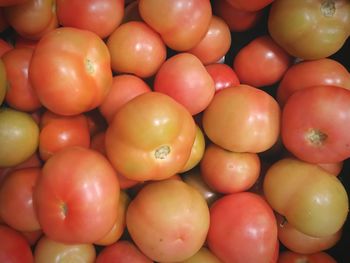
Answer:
(328, 8)
(316, 137)
(162, 152)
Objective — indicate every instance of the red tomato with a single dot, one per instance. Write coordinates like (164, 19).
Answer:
(124, 88)
(261, 62)
(238, 20)
(223, 76)
(136, 48)
(184, 78)
(292, 257)
(32, 237)
(20, 95)
(181, 23)
(13, 247)
(215, 44)
(77, 70)
(150, 137)
(242, 119)
(100, 17)
(315, 124)
(4, 47)
(16, 199)
(243, 229)
(76, 196)
(249, 5)
(122, 251)
(326, 71)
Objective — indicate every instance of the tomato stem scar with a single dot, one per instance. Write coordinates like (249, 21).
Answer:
(162, 152)
(328, 8)
(316, 137)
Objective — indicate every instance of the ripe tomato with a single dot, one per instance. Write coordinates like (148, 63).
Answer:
(100, 17)
(181, 23)
(77, 67)
(76, 196)
(150, 137)
(292, 257)
(261, 62)
(249, 5)
(325, 71)
(4, 47)
(315, 124)
(13, 247)
(309, 29)
(184, 78)
(242, 119)
(168, 220)
(223, 76)
(313, 201)
(136, 48)
(243, 229)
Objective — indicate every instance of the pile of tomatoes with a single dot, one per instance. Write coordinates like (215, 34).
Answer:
(174, 131)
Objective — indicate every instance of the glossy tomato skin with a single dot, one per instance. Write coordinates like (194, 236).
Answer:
(243, 229)
(242, 119)
(150, 137)
(101, 17)
(326, 71)
(70, 71)
(323, 26)
(181, 23)
(223, 76)
(76, 196)
(314, 124)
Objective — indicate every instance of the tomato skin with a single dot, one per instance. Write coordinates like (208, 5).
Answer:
(249, 5)
(314, 124)
(4, 47)
(292, 257)
(100, 17)
(242, 119)
(3, 82)
(242, 229)
(326, 71)
(184, 78)
(223, 76)
(164, 145)
(77, 70)
(13, 247)
(252, 61)
(181, 23)
(73, 205)
(310, 30)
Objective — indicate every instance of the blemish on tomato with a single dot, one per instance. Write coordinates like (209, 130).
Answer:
(316, 137)
(328, 8)
(89, 65)
(162, 152)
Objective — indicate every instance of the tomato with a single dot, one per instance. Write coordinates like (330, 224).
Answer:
(3, 81)
(48, 250)
(32, 237)
(181, 23)
(4, 47)
(250, 5)
(122, 251)
(243, 229)
(314, 124)
(150, 137)
(19, 137)
(168, 220)
(292, 257)
(261, 62)
(131, 12)
(124, 88)
(298, 242)
(229, 172)
(24, 42)
(326, 71)
(13, 247)
(133, 44)
(76, 196)
(215, 44)
(238, 20)
(100, 17)
(203, 255)
(184, 78)
(312, 200)
(309, 29)
(20, 93)
(333, 168)
(223, 76)
(77, 68)
(242, 119)
(16, 199)
(33, 18)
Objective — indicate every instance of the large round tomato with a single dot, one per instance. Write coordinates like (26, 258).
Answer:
(242, 119)
(310, 29)
(150, 137)
(243, 229)
(76, 196)
(70, 70)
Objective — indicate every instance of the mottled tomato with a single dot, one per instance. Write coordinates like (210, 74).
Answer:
(70, 71)
(150, 137)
